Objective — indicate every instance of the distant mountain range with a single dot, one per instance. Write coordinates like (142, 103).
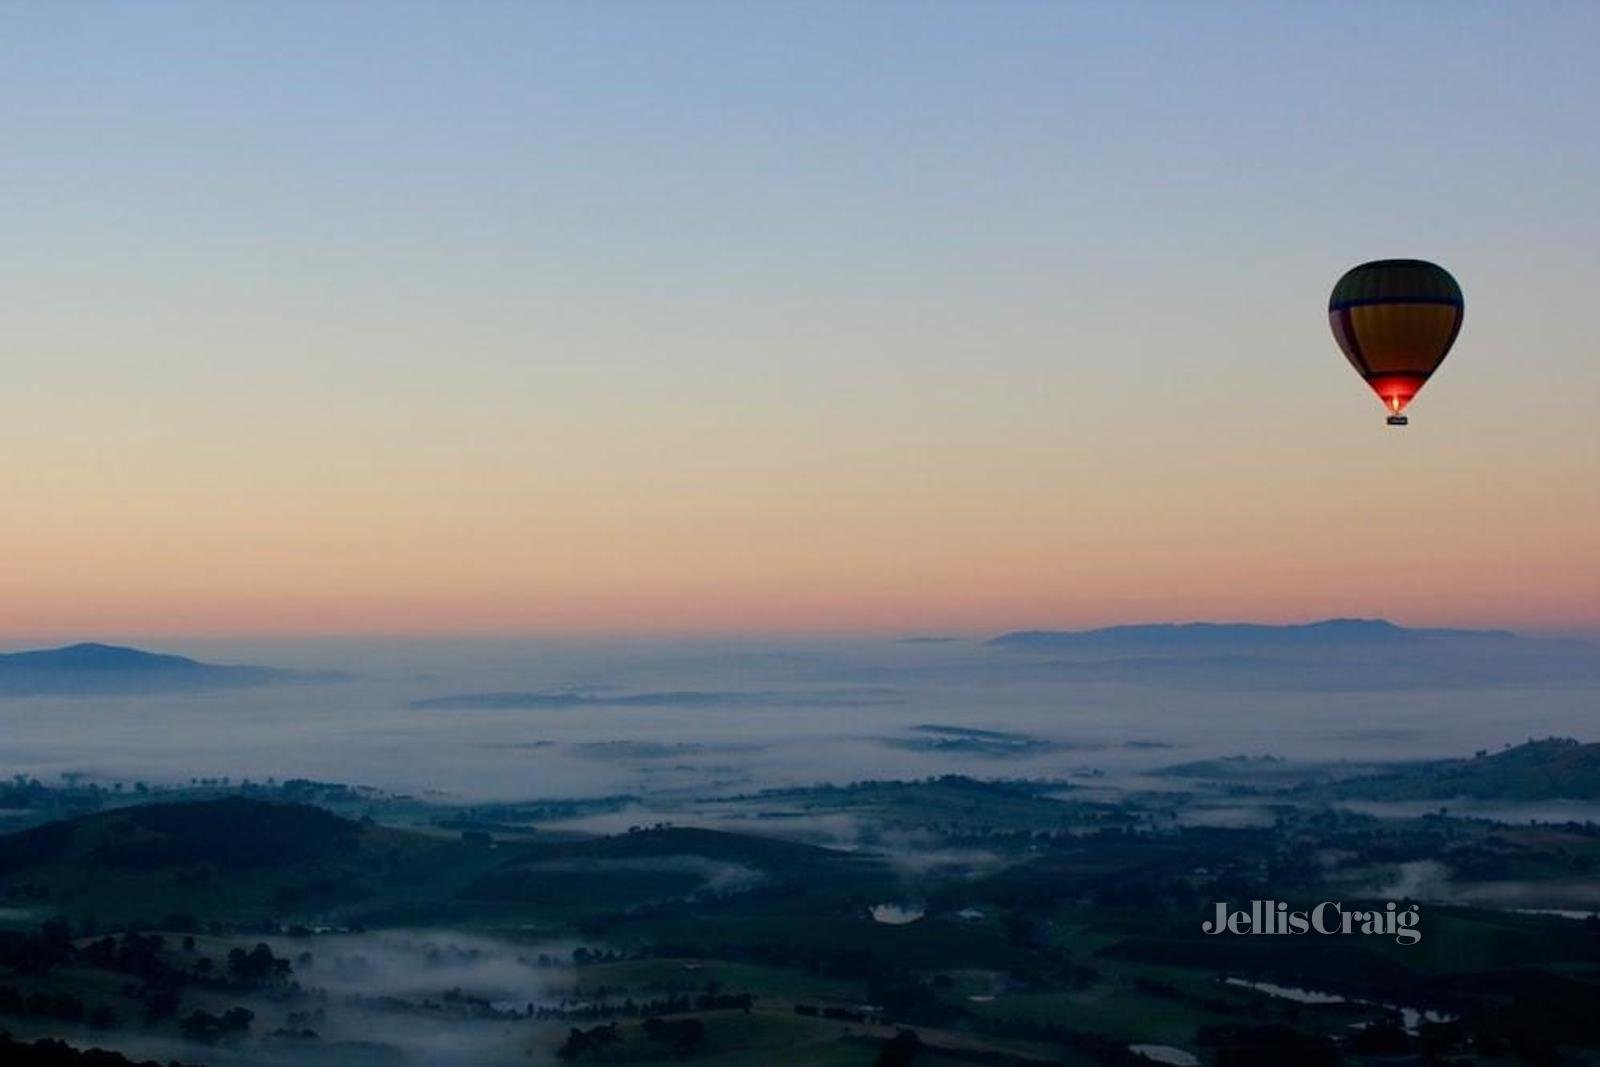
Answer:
(1331, 655)
(1237, 636)
(90, 669)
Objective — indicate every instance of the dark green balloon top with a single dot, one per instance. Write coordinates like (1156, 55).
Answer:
(1395, 281)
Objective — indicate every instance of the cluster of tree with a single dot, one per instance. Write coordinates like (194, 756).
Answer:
(136, 954)
(516, 817)
(308, 1018)
(144, 956)
(680, 1035)
(907, 996)
(203, 1026)
(38, 952)
(308, 791)
(140, 956)
(900, 993)
(1024, 839)
(48, 1052)
(711, 1001)
(290, 1033)
(676, 1004)
(76, 797)
(22, 791)
(976, 786)
(593, 1042)
(258, 966)
(837, 1014)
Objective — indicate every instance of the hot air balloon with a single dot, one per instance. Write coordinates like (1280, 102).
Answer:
(1396, 319)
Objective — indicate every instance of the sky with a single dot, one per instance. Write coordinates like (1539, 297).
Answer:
(650, 318)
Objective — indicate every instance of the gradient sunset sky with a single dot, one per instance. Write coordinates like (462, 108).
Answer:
(722, 317)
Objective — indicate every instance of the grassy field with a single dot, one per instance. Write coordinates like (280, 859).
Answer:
(1065, 933)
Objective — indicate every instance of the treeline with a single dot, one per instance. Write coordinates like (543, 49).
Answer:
(680, 1004)
(48, 1052)
(899, 992)
(677, 1035)
(1011, 787)
(77, 797)
(157, 984)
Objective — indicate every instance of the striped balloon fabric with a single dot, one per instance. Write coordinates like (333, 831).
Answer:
(1396, 319)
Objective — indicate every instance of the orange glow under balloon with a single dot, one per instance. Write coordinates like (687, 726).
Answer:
(1397, 390)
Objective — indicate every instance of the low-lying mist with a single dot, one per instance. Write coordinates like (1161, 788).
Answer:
(665, 717)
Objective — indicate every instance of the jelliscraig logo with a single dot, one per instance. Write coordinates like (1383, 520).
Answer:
(1273, 917)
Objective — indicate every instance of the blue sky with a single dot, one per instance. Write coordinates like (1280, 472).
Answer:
(373, 291)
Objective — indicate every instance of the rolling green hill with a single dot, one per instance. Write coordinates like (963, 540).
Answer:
(242, 860)
(231, 859)
(1555, 768)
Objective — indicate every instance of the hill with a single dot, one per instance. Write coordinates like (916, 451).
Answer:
(243, 860)
(233, 858)
(1552, 769)
(1332, 655)
(91, 669)
(1238, 637)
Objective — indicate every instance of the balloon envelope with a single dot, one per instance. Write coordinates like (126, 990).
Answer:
(1395, 320)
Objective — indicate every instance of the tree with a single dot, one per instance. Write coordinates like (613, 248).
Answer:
(580, 1043)
(257, 965)
(901, 1050)
(201, 1025)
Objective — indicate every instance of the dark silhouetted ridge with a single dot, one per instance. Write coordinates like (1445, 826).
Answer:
(92, 669)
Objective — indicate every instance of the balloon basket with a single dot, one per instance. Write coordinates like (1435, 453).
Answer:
(1398, 420)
